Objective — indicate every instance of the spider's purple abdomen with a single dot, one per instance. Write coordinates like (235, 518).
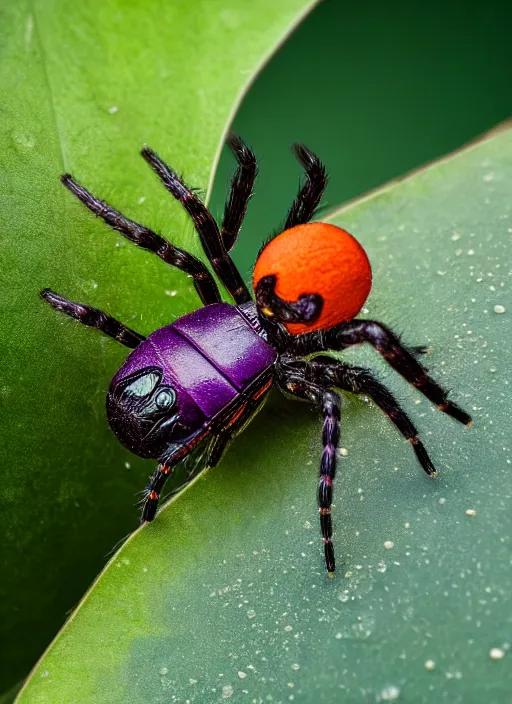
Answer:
(207, 357)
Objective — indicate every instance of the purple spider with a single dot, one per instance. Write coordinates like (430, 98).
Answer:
(204, 376)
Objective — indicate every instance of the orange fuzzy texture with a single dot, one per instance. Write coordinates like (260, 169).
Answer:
(318, 258)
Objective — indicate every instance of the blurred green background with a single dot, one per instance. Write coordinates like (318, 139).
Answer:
(380, 88)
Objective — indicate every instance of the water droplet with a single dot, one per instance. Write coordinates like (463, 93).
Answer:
(227, 691)
(23, 141)
(390, 694)
(496, 653)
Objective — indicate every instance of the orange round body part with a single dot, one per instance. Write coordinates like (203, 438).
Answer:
(318, 258)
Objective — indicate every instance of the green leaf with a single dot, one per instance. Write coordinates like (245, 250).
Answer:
(83, 86)
(225, 594)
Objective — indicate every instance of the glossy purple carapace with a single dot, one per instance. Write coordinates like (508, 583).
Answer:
(206, 359)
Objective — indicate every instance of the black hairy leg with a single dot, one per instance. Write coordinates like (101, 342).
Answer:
(205, 225)
(389, 346)
(147, 239)
(328, 402)
(227, 434)
(93, 318)
(331, 411)
(418, 350)
(358, 380)
(306, 309)
(154, 491)
(175, 454)
(240, 191)
(311, 190)
(274, 311)
(245, 409)
(220, 431)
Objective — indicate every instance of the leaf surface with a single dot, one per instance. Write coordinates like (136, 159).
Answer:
(84, 86)
(225, 594)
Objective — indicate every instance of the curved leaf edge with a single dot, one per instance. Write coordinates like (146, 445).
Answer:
(250, 81)
(375, 193)
(17, 691)
(498, 129)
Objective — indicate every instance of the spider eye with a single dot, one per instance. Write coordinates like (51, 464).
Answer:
(142, 411)
(142, 385)
(165, 399)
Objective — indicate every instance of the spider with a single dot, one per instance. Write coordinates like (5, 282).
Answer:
(204, 376)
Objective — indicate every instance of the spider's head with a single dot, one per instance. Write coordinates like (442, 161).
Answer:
(142, 411)
(311, 277)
